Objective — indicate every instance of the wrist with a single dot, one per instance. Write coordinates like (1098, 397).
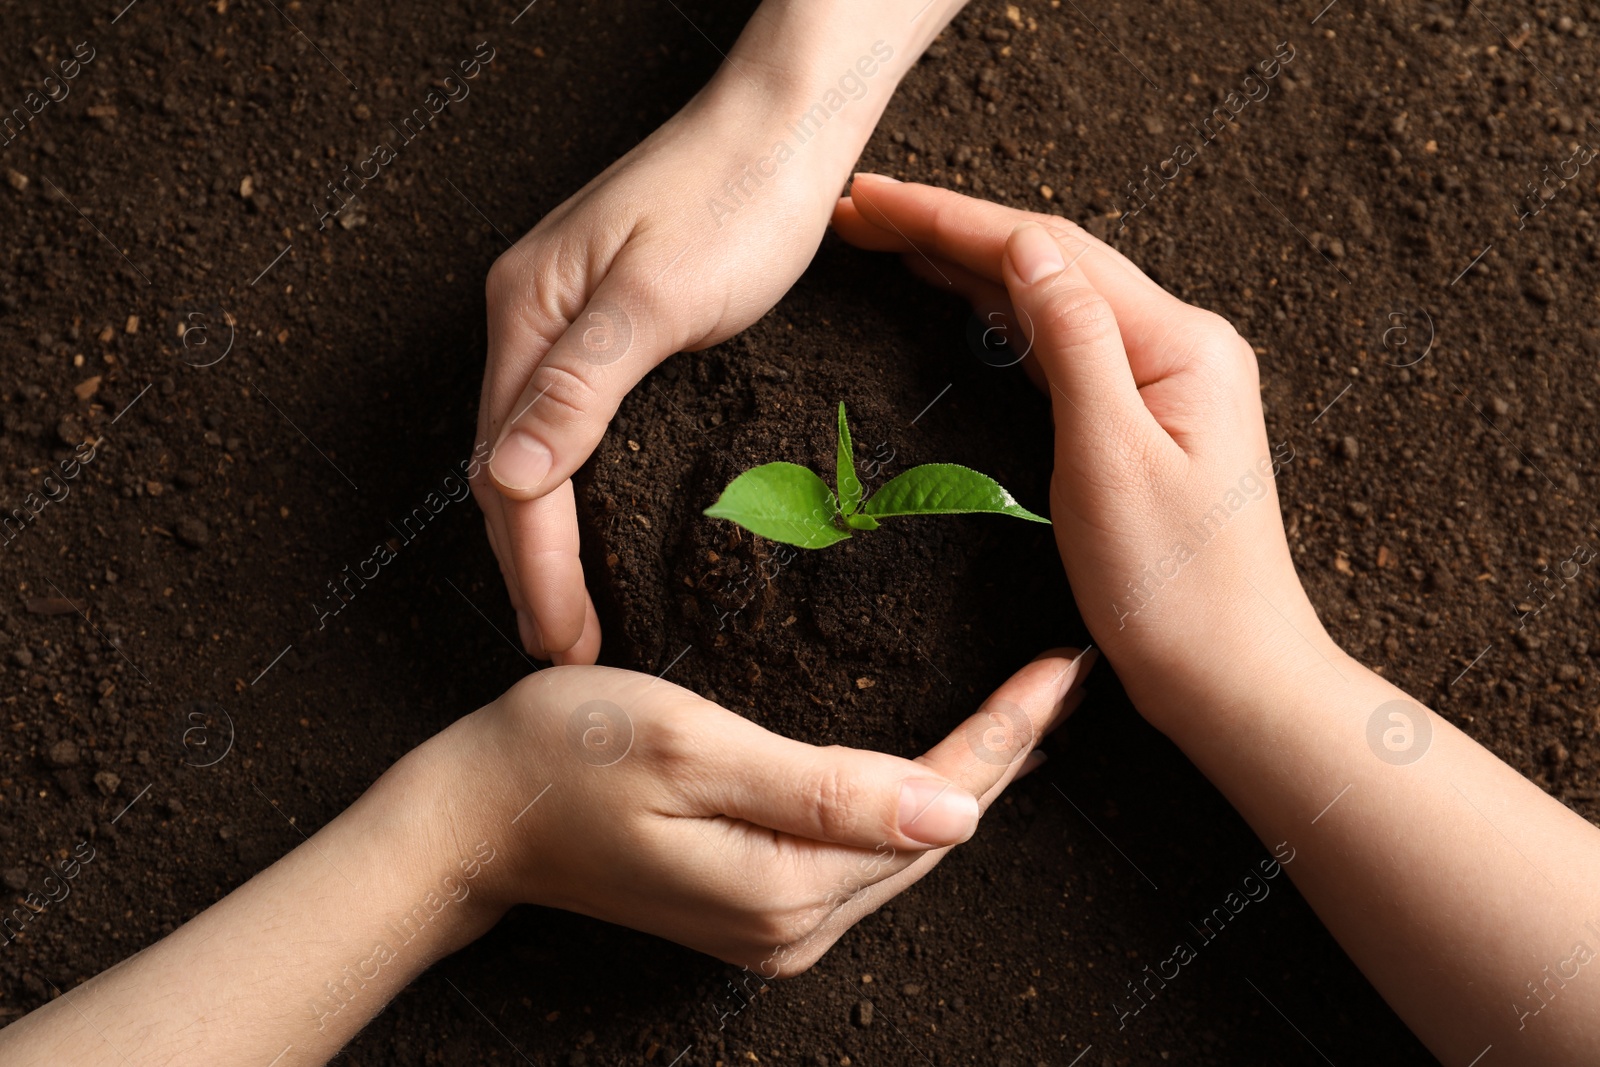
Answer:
(430, 807)
(786, 129)
(819, 73)
(1240, 674)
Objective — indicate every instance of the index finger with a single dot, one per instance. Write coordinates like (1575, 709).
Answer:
(987, 751)
(886, 215)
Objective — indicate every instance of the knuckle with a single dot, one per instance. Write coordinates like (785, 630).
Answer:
(1213, 326)
(526, 293)
(526, 704)
(1244, 350)
(1075, 315)
(1217, 336)
(499, 281)
(669, 740)
(501, 277)
(831, 798)
(1225, 350)
(792, 928)
(1206, 339)
(1213, 371)
(807, 942)
(563, 396)
(507, 281)
(944, 215)
(1249, 367)
(1065, 230)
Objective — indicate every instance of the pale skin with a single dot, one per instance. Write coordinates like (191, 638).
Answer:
(680, 244)
(1452, 881)
(596, 790)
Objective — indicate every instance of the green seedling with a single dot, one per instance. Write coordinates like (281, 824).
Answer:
(790, 503)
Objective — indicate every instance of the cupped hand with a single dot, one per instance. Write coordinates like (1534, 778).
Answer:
(1163, 494)
(629, 799)
(686, 240)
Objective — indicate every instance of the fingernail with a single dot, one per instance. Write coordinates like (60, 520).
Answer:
(1069, 686)
(937, 813)
(874, 176)
(1034, 254)
(1084, 665)
(521, 461)
(1079, 663)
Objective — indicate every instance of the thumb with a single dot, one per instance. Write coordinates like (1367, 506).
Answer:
(572, 394)
(1075, 335)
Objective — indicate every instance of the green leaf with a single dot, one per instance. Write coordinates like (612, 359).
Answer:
(861, 521)
(849, 485)
(944, 489)
(781, 502)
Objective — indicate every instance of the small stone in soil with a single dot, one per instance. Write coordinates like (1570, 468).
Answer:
(192, 532)
(1539, 291)
(69, 431)
(107, 782)
(62, 754)
(863, 1014)
(15, 879)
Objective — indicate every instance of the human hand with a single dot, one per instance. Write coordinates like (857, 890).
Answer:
(1165, 509)
(654, 256)
(629, 799)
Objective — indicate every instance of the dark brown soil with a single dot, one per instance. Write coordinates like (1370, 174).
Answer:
(1428, 506)
(864, 643)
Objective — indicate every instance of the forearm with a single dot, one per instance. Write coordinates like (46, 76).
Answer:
(1451, 880)
(291, 964)
(808, 43)
(829, 67)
